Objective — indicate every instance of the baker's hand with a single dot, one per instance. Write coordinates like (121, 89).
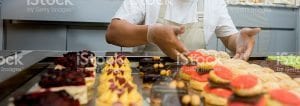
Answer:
(165, 37)
(245, 43)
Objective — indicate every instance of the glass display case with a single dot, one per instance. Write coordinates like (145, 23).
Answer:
(146, 79)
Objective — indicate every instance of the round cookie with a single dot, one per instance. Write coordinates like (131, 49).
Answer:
(246, 85)
(198, 81)
(216, 96)
(220, 74)
(282, 97)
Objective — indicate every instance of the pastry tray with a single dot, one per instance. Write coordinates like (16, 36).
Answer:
(26, 79)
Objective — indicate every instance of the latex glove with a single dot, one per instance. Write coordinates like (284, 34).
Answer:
(245, 43)
(165, 37)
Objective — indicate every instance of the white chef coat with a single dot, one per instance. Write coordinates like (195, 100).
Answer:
(216, 18)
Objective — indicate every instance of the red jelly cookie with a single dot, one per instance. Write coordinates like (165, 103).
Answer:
(244, 81)
(221, 92)
(285, 97)
(195, 55)
(206, 59)
(218, 91)
(188, 69)
(223, 72)
(200, 78)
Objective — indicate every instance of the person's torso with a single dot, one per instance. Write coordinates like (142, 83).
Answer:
(179, 11)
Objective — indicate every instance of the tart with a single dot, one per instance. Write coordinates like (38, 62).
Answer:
(206, 63)
(186, 71)
(221, 74)
(246, 85)
(282, 97)
(198, 81)
(216, 96)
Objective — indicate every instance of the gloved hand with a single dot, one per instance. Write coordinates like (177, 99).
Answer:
(245, 42)
(165, 37)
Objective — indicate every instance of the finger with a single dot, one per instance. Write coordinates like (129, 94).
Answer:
(236, 56)
(239, 52)
(182, 58)
(180, 47)
(249, 50)
(171, 52)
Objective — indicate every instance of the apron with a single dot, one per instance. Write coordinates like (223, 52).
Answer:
(192, 38)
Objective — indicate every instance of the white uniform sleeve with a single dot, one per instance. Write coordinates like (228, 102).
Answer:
(132, 11)
(225, 26)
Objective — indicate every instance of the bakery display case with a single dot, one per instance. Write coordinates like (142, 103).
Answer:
(144, 79)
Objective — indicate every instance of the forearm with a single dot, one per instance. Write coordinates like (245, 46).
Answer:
(230, 42)
(125, 34)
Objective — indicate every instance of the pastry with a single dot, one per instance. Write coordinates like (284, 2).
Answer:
(266, 77)
(220, 74)
(194, 55)
(190, 100)
(268, 70)
(297, 80)
(223, 55)
(198, 81)
(288, 84)
(186, 71)
(246, 85)
(281, 76)
(206, 63)
(82, 59)
(216, 96)
(116, 85)
(267, 86)
(72, 82)
(258, 100)
(119, 90)
(282, 97)
(46, 98)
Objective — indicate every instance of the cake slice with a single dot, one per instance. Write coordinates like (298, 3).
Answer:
(77, 60)
(72, 82)
(46, 98)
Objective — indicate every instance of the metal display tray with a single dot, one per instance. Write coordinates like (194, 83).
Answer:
(26, 79)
